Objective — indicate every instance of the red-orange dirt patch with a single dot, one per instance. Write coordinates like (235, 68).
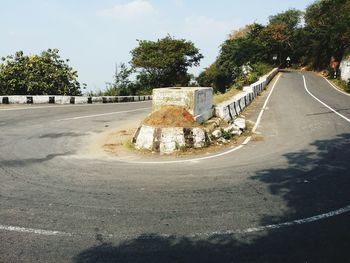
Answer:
(171, 116)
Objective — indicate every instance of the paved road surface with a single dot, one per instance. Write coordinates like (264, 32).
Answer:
(57, 207)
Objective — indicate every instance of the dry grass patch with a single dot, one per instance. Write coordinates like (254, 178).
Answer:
(218, 98)
(340, 84)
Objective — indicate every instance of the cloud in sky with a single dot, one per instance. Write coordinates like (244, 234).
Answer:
(206, 26)
(133, 10)
(178, 3)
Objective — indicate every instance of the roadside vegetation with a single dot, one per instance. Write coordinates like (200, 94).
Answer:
(312, 39)
(316, 39)
(341, 84)
(40, 74)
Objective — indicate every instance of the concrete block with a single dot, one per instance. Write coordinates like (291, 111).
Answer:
(62, 99)
(204, 116)
(97, 100)
(171, 139)
(199, 137)
(145, 137)
(345, 69)
(41, 99)
(81, 100)
(248, 89)
(196, 100)
(17, 99)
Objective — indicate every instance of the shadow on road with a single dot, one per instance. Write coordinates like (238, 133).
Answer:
(32, 161)
(60, 135)
(314, 182)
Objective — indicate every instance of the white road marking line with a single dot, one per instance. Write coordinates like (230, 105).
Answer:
(264, 107)
(73, 105)
(334, 87)
(34, 231)
(102, 114)
(246, 141)
(195, 160)
(324, 104)
(302, 221)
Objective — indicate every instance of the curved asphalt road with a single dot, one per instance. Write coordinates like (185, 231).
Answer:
(120, 211)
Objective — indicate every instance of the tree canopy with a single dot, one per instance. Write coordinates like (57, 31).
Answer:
(165, 62)
(40, 74)
(328, 27)
(314, 38)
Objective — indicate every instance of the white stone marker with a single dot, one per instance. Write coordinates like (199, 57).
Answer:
(196, 100)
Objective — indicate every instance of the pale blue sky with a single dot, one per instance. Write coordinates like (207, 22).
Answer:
(97, 34)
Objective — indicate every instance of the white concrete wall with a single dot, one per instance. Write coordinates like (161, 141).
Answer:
(40, 99)
(44, 99)
(62, 99)
(18, 99)
(80, 100)
(231, 108)
(97, 100)
(345, 69)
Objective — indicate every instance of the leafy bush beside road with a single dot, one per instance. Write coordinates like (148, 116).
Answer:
(40, 74)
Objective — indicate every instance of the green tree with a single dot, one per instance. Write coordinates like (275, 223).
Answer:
(242, 47)
(328, 26)
(122, 85)
(40, 74)
(213, 77)
(165, 62)
(282, 36)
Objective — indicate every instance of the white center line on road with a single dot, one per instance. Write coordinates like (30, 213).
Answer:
(67, 106)
(324, 104)
(302, 221)
(102, 114)
(33, 231)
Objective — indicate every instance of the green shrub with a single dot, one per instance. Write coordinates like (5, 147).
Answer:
(261, 68)
(226, 135)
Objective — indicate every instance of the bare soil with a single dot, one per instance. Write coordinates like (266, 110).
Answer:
(171, 116)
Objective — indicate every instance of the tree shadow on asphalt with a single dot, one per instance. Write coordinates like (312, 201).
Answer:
(60, 135)
(31, 161)
(314, 182)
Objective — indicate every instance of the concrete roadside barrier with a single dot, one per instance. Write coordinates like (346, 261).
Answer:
(81, 100)
(97, 100)
(41, 99)
(17, 99)
(231, 108)
(62, 99)
(53, 99)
